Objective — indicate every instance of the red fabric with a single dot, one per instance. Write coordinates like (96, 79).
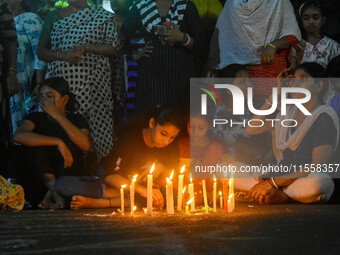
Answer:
(263, 88)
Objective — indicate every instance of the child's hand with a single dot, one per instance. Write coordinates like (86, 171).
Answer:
(157, 198)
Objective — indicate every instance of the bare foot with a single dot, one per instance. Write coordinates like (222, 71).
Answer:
(59, 203)
(79, 202)
(47, 202)
(273, 196)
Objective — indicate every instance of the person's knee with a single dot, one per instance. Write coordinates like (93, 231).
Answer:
(319, 189)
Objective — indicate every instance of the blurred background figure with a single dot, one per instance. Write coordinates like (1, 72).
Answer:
(30, 69)
(8, 81)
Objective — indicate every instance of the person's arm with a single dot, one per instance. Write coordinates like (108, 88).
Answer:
(195, 38)
(24, 135)
(72, 55)
(11, 57)
(81, 138)
(271, 48)
(102, 49)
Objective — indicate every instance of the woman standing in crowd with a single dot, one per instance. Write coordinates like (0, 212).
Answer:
(77, 42)
(28, 26)
(312, 141)
(240, 38)
(166, 66)
(315, 46)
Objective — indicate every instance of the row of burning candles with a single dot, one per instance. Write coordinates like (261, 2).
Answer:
(228, 198)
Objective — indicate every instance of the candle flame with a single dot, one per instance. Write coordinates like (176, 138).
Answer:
(172, 174)
(123, 186)
(230, 182)
(220, 194)
(134, 178)
(152, 168)
(182, 169)
(190, 201)
(184, 189)
(214, 178)
(167, 179)
(134, 208)
(230, 196)
(190, 179)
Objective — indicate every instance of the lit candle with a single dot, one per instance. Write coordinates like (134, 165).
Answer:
(149, 189)
(205, 197)
(122, 198)
(191, 193)
(214, 194)
(221, 200)
(170, 203)
(225, 194)
(132, 193)
(231, 200)
(180, 189)
(187, 205)
(183, 197)
(230, 207)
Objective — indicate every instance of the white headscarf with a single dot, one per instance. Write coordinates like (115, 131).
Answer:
(244, 29)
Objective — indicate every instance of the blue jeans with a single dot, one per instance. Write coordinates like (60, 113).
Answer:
(87, 186)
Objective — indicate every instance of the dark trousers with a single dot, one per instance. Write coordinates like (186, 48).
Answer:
(87, 186)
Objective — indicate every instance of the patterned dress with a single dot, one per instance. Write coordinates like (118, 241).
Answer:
(322, 52)
(90, 80)
(28, 26)
(164, 76)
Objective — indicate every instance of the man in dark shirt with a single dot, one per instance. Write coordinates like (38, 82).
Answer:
(56, 137)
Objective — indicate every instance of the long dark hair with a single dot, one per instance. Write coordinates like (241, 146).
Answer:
(61, 85)
(318, 73)
(315, 4)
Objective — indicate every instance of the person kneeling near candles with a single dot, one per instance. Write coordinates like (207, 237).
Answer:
(137, 148)
(312, 141)
(55, 138)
